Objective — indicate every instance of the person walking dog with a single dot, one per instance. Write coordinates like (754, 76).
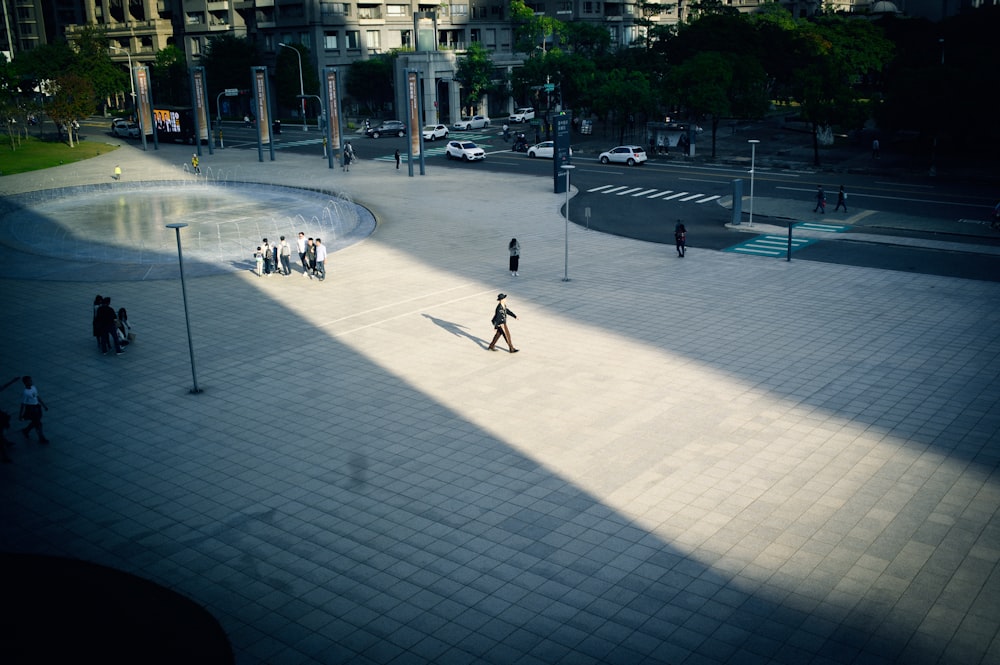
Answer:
(500, 324)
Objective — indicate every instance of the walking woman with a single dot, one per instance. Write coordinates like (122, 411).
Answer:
(500, 324)
(31, 410)
(515, 256)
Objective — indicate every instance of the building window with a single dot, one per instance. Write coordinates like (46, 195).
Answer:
(397, 11)
(491, 38)
(335, 8)
(353, 39)
(373, 40)
(460, 10)
(305, 40)
(330, 41)
(496, 12)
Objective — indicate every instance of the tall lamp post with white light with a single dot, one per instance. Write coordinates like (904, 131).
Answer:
(187, 318)
(568, 168)
(131, 74)
(753, 159)
(302, 89)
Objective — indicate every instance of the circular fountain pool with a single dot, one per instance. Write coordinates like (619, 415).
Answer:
(118, 231)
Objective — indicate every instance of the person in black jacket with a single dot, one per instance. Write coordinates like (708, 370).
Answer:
(680, 238)
(500, 324)
(107, 327)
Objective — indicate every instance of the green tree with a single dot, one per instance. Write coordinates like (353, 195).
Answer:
(533, 32)
(72, 101)
(475, 74)
(171, 83)
(45, 63)
(287, 78)
(843, 50)
(369, 82)
(227, 61)
(620, 95)
(93, 61)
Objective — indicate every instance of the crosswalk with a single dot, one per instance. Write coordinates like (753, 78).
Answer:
(653, 193)
(778, 245)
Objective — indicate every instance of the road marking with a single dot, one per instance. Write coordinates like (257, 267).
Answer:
(824, 228)
(769, 245)
(708, 198)
(615, 189)
(676, 196)
(628, 191)
(598, 189)
(644, 192)
(659, 194)
(690, 198)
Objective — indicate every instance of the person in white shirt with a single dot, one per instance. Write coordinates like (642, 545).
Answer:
(300, 245)
(285, 256)
(320, 259)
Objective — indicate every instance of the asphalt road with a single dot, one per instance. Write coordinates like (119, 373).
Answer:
(644, 202)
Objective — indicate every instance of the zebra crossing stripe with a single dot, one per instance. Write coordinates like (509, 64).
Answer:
(659, 194)
(769, 245)
(691, 198)
(598, 189)
(628, 191)
(612, 191)
(708, 198)
(676, 196)
(643, 193)
(816, 226)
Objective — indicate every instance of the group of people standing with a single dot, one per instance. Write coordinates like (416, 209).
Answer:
(277, 259)
(111, 328)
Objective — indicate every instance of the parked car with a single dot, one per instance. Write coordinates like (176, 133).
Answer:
(387, 128)
(475, 122)
(435, 132)
(467, 151)
(624, 154)
(125, 128)
(545, 150)
(523, 114)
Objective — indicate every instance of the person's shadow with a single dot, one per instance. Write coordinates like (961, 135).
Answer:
(456, 330)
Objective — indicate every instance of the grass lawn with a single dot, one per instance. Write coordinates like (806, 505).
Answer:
(33, 154)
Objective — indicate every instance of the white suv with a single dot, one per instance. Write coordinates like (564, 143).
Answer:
(522, 115)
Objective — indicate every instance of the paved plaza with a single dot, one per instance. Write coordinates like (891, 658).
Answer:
(716, 459)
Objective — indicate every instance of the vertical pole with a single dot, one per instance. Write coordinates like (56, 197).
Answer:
(567, 168)
(753, 163)
(187, 318)
(788, 256)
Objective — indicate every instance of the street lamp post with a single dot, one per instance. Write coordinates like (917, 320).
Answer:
(753, 159)
(567, 168)
(302, 89)
(131, 74)
(187, 318)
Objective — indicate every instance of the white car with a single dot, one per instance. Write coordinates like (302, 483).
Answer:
(475, 122)
(624, 154)
(523, 114)
(435, 132)
(467, 151)
(545, 150)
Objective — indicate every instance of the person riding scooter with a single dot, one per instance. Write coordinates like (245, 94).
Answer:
(520, 143)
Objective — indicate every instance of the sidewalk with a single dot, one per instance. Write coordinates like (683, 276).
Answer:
(720, 459)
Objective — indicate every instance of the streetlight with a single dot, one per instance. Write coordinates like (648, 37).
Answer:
(753, 158)
(131, 75)
(302, 89)
(565, 278)
(187, 318)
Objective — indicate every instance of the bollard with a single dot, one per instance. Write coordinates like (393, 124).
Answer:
(788, 256)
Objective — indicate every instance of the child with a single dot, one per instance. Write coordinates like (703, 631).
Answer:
(259, 258)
